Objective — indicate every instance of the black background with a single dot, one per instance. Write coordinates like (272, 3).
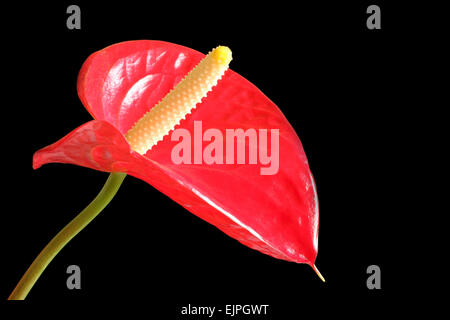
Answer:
(340, 85)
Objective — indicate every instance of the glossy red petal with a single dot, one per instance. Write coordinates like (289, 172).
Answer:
(275, 214)
(96, 145)
(123, 81)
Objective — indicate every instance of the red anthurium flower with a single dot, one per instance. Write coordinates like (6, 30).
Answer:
(276, 213)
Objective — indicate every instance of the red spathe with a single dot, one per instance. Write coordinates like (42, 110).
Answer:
(275, 214)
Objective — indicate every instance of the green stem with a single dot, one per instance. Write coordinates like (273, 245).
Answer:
(65, 235)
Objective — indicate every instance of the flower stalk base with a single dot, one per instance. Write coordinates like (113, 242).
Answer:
(65, 235)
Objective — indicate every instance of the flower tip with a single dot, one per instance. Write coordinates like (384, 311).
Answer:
(318, 272)
(222, 55)
(37, 161)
